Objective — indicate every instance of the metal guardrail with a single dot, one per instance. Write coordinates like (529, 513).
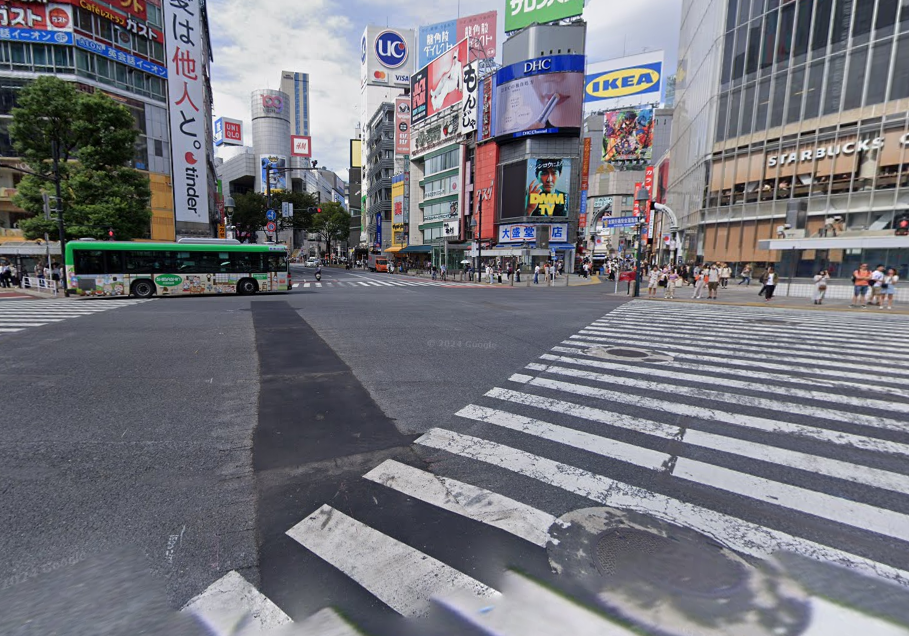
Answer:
(41, 284)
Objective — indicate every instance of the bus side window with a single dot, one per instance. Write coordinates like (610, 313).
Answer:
(241, 262)
(277, 263)
(115, 262)
(89, 262)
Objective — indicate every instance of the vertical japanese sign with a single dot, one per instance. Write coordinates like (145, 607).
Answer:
(636, 210)
(648, 183)
(469, 94)
(402, 126)
(186, 101)
(585, 185)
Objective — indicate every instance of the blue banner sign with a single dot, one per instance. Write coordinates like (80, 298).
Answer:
(622, 221)
(119, 56)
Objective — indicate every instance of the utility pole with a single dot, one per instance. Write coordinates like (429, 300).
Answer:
(55, 149)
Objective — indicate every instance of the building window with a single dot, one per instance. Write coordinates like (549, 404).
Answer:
(20, 54)
(813, 89)
(879, 72)
(835, 76)
(796, 92)
(856, 82)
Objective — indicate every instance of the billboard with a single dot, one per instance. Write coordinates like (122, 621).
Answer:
(439, 85)
(479, 29)
(386, 56)
(626, 81)
(480, 32)
(628, 138)
(470, 88)
(37, 17)
(300, 146)
(402, 126)
(486, 115)
(519, 14)
(397, 209)
(228, 132)
(539, 96)
(278, 178)
(186, 103)
(521, 232)
(435, 39)
(548, 184)
(355, 154)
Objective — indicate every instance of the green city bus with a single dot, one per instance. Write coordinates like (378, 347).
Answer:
(189, 266)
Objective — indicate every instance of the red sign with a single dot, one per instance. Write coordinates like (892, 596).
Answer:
(40, 17)
(648, 183)
(300, 145)
(133, 7)
(233, 131)
(480, 30)
(122, 21)
(585, 165)
(636, 210)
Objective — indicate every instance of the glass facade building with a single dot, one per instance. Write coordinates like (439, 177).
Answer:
(792, 117)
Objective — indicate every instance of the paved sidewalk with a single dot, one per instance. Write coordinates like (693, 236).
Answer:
(571, 280)
(747, 296)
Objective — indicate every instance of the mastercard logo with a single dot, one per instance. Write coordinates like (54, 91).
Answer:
(58, 18)
(380, 75)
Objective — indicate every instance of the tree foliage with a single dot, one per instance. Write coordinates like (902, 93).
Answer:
(95, 137)
(250, 208)
(332, 224)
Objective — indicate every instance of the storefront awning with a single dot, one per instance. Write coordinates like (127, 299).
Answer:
(561, 247)
(394, 249)
(417, 249)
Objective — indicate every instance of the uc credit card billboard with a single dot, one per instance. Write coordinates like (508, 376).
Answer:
(624, 81)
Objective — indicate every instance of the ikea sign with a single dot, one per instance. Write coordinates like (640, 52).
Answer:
(638, 81)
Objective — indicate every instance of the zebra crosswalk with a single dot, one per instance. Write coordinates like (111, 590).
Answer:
(765, 429)
(19, 315)
(373, 283)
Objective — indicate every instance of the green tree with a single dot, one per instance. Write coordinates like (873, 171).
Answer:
(303, 202)
(249, 215)
(95, 138)
(332, 224)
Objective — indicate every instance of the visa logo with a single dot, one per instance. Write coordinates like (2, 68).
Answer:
(626, 81)
(402, 79)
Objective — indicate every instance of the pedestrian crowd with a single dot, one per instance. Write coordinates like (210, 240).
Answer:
(872, 289)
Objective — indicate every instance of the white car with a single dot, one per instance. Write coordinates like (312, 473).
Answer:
(312, 262)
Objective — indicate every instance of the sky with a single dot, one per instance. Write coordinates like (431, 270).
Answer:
(253, 41)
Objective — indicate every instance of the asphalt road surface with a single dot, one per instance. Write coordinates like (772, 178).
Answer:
(368, 446)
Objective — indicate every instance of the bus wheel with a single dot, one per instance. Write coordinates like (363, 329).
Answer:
(246, 287)
(143, 289)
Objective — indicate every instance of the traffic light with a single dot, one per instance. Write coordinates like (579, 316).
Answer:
(110, 234)
(902, 226)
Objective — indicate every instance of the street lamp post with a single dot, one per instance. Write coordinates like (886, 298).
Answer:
(229, 206)
(642, 197)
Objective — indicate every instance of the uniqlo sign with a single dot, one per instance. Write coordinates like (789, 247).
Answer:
(228, 132)
(300, 146)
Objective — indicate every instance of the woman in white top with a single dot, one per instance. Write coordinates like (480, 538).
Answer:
(770, 284)
(888, 288)
(653, 282)
(820, 286)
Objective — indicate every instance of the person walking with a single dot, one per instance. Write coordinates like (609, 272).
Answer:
(653, 283)
(725, 274)
(770, 283)
(713, 281)
(820, 286)
(861, 281)
(489, 273)
(536, 274)
(14, 276)
(746, 276)
(700, 280)
(888, 290)
(6, 275)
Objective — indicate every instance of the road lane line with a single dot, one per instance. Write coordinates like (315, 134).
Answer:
(738, 534)
(400, 576)
(467, 500)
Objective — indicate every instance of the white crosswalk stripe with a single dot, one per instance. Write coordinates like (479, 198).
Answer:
(399, 283)
(16, 316)
(762, 449)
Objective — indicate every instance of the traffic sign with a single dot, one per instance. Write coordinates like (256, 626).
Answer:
(271, 216)
(270, 226)
(622, 221)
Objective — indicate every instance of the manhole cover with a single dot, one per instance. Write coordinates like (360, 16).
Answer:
(677, 562)
(628, 353)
